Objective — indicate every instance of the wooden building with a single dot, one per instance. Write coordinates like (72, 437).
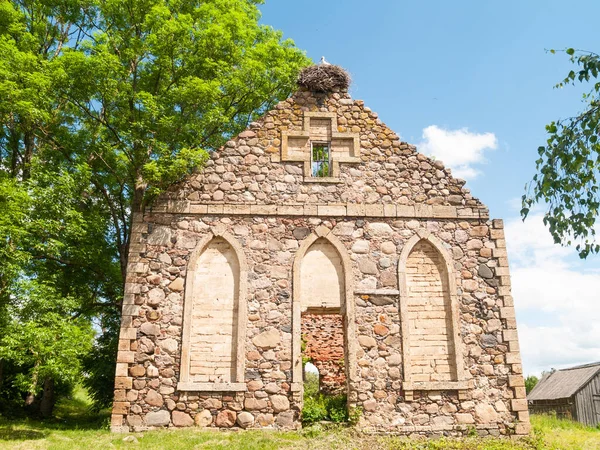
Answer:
(572, 393)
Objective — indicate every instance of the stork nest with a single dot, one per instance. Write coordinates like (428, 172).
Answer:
(324, 78)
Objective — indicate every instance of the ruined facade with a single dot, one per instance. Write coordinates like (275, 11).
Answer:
(316, 233)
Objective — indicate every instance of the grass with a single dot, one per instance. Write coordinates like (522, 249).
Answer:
(75, 427)
(565, 434)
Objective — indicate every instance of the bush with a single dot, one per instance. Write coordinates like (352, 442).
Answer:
(314, 410)
(530, 383)
(318, 407)
(337, 409)
(324, 407)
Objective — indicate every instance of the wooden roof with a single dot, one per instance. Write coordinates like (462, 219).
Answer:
(563, 383)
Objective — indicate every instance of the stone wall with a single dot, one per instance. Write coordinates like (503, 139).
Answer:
(250, 169)
(382, 201)
(149, 357)
(323, 339)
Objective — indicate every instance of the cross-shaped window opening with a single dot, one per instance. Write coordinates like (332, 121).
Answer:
(320, 159)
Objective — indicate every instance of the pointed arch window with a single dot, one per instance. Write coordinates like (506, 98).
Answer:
(214, 318)
(322, 281)
(431, 341)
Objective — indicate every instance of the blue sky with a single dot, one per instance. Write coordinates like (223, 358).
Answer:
(471, 83)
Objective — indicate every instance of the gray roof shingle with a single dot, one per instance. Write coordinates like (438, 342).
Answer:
(563, 383)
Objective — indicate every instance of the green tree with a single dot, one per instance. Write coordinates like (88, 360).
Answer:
(55, 248)
(567, 178)
(530, 383)
(45, 340)
(159, 84)
(103, 107)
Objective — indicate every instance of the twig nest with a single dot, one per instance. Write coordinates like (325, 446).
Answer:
(324, 78)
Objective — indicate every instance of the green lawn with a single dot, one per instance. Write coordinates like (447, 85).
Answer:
(75, 428)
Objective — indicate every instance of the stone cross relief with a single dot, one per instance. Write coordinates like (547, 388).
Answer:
(320, 127)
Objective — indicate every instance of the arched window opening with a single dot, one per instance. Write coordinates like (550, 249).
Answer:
(214, 317)
(324, 325)
(322, 280)
(429, 314)
(312, 379)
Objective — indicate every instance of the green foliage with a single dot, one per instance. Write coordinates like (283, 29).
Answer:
(530, 383)
(337, 408)
(99, 363)
(314, 409)
(43, 339)
(162, 83)
(567, 178)
(354, 415)
(311, 384)
(318, 407)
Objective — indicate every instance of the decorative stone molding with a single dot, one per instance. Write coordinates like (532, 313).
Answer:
(338, 210)
(211, 387)
(408, 384)
(377, 292)
(295, 145)
(185, 384)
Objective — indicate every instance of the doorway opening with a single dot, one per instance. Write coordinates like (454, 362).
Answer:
(324, 368)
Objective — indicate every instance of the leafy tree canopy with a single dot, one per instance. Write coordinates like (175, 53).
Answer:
(103, 105)
(568, 177)
(530, 383)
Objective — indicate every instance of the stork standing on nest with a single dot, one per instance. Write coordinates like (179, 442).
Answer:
(323, 62)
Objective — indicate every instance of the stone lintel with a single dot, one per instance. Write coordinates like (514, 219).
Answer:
(376, 292)
(327, 180)
(436, 385)
(211, 387)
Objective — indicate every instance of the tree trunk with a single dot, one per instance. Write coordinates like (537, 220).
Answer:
(14, 142)
(137, 207)
(28, 141)
(47, 401)
(30, 399)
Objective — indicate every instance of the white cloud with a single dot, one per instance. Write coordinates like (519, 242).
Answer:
(557, 298)
(459, 149)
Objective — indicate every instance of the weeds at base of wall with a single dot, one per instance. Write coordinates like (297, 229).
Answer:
(354, 415)
(324, 408)
(319, 407)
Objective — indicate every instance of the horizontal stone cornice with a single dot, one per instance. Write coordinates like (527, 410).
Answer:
(419, 211)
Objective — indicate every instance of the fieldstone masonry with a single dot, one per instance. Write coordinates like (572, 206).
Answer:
(224, 267)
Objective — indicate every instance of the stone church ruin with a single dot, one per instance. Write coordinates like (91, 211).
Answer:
(316, 233)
